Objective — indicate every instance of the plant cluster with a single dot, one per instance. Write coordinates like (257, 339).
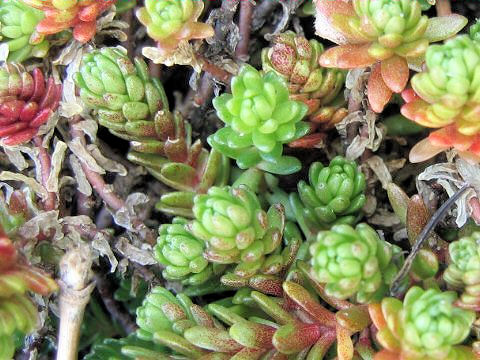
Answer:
(265, 208)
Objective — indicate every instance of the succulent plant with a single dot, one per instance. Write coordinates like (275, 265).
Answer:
(425, 326)
(170, 22)
(61, 15)
(282, 327)
(259, 119)
(182, 255)
(131, 293)
(295, 58)
(388, 35)
(134, 107)
(236, 230)
(126, 348)
(335, 193)
(17, 28)
(353, 263)
(17, 311)
(27, 101)
(463, 271)
(13, 213)
(444, 96)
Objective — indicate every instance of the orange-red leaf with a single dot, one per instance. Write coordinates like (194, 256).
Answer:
(378, 92)
(416, 111)
(424, 150)
(386, 355)
(395, 73)
(332, 21)
(347, 57)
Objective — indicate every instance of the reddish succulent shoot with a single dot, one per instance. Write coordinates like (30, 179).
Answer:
(390, 43)
(26, 103)
(81, 16)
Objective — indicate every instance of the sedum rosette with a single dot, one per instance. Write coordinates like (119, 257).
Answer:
(463, 271)
(236, 230)
(27, 101)
(426, 326)
(335, 194)
(60, 15)
(182, 255)
(389, 35)
(170, 22)
(259, 119)
(17, 312)
(17, 28)
(134, 107)
(447, 96)
(353, 263)
(295, 58)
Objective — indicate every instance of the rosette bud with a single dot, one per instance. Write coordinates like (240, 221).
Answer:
(259, 119)
(335, 193)
(182, 254)
(463, 271)
(426, 326)
(295, 58)
(389, 35)
(64, 14)
(170, 21)
(353, 263)
(27, 101)
(236, 230)
(17, 27)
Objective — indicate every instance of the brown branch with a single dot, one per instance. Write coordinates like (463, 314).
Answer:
(128, 18)
(46, 164)
(205, 90)
(106, 192)
(112, 306)
(216, 72)
(443, 7)
(245, 25)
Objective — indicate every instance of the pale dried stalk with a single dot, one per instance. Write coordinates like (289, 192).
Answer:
(75, 289)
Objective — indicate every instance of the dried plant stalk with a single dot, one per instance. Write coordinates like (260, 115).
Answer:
(75, 289)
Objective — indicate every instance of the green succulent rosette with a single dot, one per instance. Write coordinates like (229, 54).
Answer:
(353, 263)
(450, 85)
(182, 255)
(162, 311)
(235, 228)
(463, 271)
(259, 118)
(427, 326)
(17, 28)
(125, 97)
(335, 194)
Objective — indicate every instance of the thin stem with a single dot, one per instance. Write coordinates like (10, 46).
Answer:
(112, 306)
(424, 234)
(106, 192)
(443, 7)
(245, 25)
(216, 72)
(46, 164)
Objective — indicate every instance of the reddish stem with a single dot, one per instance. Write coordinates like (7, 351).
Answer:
(245, 25)
(46, 166)
(443, 7)
(217, 72)
(106, 192)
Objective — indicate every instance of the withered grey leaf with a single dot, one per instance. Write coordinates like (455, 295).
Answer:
(107, 164)
(79, 149)
(83, 184)
(132, 253)
(56, 165)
